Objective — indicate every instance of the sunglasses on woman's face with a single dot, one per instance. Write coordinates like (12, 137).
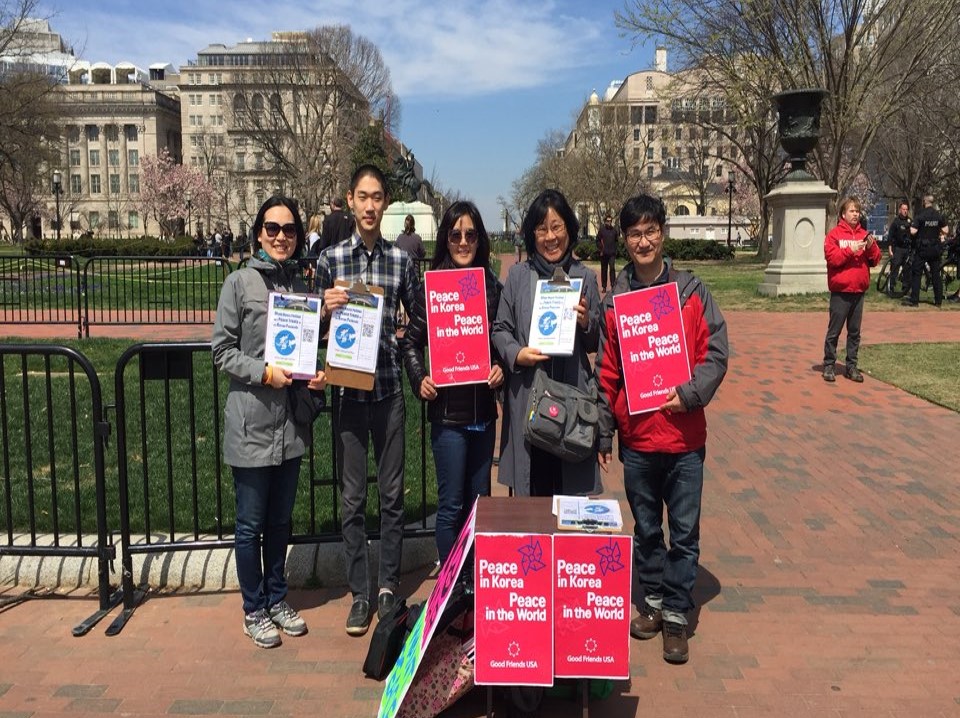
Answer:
(456, 236)
(273, 229)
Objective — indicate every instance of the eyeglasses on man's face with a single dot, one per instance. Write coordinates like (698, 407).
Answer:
(456, 236)
(273, 229)
(651, 234)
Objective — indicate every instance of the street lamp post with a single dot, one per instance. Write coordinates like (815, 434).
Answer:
(187, 196)
(730, 177)
(57, 189)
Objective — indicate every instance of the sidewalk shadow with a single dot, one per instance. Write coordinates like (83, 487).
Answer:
(706, 588)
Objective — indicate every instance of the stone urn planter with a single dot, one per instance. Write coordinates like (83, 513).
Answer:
(799, 127)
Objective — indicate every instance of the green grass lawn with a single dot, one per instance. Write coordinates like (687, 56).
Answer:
(934, 372)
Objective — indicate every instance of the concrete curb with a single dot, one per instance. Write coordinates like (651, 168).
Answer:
(318, 565)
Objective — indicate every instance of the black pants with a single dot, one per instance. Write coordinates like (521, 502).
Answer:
(896, 264)
(607, 262)
(927, 254)
(845, 308)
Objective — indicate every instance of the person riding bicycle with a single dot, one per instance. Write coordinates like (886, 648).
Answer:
(930, 229)
(900, 244)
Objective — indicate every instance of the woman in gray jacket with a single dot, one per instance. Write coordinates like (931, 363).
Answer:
(550, 229)
(262, 442)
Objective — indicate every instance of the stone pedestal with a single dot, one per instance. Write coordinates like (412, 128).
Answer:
(799, 212)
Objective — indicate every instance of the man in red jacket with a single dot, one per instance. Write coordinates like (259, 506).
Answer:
(850, 252)
(663, 450)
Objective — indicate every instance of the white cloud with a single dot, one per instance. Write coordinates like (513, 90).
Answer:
(452, 49)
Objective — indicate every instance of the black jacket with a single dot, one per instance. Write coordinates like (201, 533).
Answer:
(337, 226)
(454, 405)
(899, 233)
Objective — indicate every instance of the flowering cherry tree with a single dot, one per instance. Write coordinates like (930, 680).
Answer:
(164, 188)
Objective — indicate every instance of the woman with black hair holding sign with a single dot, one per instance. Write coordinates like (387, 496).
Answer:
(264, 433)
(463, 418)
(549, 230)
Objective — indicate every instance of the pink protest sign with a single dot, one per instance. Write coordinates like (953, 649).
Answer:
(653, 347)
(514, 609)
(457, 330)
(592, 576)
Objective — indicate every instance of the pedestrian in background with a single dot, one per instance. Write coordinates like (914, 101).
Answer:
(850, 251)
(899, 245)
(607, 243)
(930, 229)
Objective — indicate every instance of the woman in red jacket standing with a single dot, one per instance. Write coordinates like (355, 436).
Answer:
(850, 252)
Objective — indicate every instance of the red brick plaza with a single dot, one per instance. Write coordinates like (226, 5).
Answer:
(829, 583)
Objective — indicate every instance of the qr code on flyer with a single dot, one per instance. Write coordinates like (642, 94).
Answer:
(367, 331)
(308, 335)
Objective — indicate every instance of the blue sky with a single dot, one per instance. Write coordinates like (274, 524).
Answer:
(480, 81)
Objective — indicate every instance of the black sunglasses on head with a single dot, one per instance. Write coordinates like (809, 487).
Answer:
(273, 229)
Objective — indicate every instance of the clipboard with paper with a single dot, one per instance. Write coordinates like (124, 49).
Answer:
(553, 324)
(354, 339)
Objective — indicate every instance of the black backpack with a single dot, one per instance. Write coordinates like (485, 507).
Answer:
(387, 642)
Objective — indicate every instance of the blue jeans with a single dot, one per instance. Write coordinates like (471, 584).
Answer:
(265, 496)
(654, 480)
(463, 459)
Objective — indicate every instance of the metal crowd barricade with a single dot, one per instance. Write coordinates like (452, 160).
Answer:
(53, 430)
(40, 289)
(151, 290)
(169, 404)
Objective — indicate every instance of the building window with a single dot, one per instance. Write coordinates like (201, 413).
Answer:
(241, 159)
(678, 134)
(649, 171)
(258, 160)
(114, 184)
(133, 220)
(636, 153)
(93, 133)
(133, 158)
(73, 133)
(215, 100)
(94, 158)
(649, 153)
(131, 132)
(636, 134)
(649, 83)
(76, 184)
(133, 184)
(113, 158)
(94, 219)
(719, 170)
(74, 158)
(112, 132)
(217, 120)
(636, 115)
(650, 114)
(94, 184)
(113, 219)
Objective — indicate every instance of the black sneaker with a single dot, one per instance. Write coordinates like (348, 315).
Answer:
(358, 620)
(853, 374)
(385, 603)
(829, 374)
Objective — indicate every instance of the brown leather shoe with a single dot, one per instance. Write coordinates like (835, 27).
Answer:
(675, 648)
(647, 623)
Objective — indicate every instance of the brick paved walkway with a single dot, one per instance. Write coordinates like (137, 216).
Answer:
(829, 582)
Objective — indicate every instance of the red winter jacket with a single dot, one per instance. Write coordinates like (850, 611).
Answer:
(708, 352)
(848, 267)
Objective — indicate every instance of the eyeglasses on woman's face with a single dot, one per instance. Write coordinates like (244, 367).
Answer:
(557, 229)
(273, 229)
(456, 236)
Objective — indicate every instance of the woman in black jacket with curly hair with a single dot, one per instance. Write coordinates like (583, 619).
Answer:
(463, 418)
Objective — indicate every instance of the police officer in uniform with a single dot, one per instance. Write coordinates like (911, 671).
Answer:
(930, 229)
(900, 244)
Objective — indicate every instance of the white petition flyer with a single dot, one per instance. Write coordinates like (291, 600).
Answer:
(553, 326)
(355, 332)
(293, 333)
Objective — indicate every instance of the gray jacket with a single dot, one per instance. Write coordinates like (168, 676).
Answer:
(258, 426)
(511, 332)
